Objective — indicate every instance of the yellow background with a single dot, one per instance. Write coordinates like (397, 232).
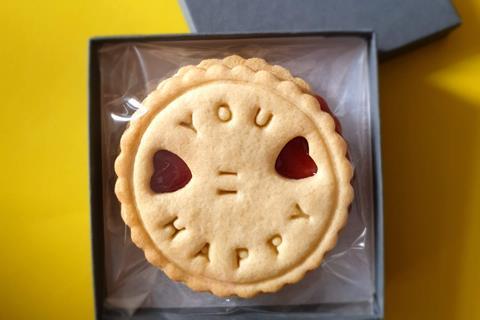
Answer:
(430, 103)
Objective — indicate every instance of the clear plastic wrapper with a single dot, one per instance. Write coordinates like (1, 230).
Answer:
(337, 69)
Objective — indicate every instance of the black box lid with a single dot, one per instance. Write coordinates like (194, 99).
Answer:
(398, 24)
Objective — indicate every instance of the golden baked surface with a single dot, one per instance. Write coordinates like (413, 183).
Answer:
(237, 227)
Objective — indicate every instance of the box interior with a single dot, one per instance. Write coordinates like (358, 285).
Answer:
(126, 69)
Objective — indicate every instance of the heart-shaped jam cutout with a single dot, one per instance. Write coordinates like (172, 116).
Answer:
(170, 174)
(325, 108)
(294, 162)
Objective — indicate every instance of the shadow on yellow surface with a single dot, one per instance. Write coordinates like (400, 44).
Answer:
(431, 132)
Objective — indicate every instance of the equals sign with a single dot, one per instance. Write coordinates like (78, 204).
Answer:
(227, 190)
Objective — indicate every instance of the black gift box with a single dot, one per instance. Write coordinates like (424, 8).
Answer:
(398, 24)
(97, 196)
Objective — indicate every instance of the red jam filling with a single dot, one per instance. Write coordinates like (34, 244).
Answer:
(170, 174)
(325, 108)
(294, 162)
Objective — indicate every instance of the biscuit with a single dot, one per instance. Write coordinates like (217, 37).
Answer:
(233, 180)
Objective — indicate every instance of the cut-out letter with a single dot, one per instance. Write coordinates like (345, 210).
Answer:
(299, 213)
(188, 124)
(262, 118)
(224, 113)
